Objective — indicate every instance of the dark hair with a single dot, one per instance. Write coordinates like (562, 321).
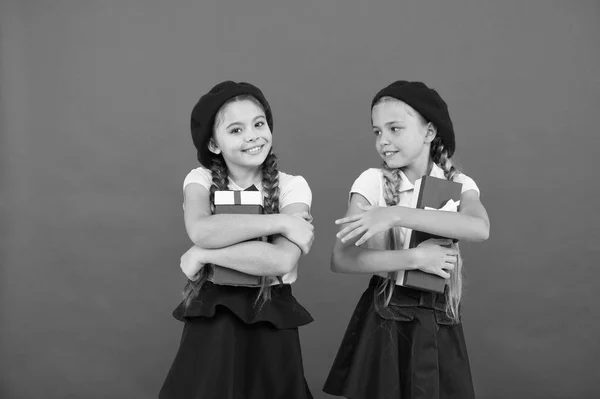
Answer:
(220, 176)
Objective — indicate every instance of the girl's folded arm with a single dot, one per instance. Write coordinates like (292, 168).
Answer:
(470, 224)
(217, 231)
(348, 258)
(267, 259)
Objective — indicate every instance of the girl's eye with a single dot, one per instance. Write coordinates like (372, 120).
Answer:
(376, 132)
(395, 129)
(259, 124)
(235, 130)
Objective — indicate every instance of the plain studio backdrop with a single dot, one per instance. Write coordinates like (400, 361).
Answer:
(95, 98)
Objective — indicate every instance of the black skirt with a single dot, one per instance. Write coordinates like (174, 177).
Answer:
(409, 349)
(230, 351)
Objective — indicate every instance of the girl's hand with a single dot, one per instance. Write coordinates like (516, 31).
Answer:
(299, 231)
(191, 262)
(434, 258)
(374, 219)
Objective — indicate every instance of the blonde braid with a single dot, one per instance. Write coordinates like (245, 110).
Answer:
(391, 195)
(439, 155)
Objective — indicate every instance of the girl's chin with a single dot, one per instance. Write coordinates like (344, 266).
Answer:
(253, 161)
(394, 164)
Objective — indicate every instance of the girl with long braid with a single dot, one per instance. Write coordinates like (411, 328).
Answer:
(402, 342)
(240, 342)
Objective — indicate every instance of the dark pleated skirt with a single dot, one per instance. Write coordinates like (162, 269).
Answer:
(409, 349)
(230, 351)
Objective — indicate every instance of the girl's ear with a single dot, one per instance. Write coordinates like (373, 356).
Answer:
(430, 132)
(213, 147)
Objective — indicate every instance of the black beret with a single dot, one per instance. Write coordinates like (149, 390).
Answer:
(205, 110)
(426, 102)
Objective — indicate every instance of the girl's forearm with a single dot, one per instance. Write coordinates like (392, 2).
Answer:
(223, 230)
(254, 257)
(356, 260)
(441, 223)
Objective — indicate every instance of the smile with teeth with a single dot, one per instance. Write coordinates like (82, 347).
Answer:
(389, 154)
(253, 150)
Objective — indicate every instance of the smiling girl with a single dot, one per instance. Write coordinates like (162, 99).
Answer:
(240, 342)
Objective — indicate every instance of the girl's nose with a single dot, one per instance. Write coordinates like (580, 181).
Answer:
(383, 140)
(251, 135)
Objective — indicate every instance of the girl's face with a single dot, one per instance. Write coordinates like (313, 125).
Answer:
(401, 137)
(242, 135)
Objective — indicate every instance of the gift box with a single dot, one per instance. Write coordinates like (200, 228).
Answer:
(231, 201)
(429, 193)
(248, 201)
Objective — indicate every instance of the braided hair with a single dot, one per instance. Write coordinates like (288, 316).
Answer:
(391, 192)
(220, 181)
